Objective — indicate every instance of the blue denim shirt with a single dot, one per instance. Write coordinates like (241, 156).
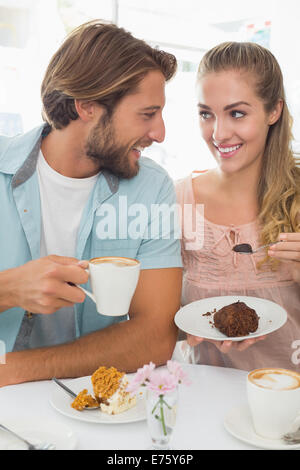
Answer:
(20, 219)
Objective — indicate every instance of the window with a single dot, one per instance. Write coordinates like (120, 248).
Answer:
(31, 30)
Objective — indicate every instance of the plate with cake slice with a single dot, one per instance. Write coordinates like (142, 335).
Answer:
(233, 318)
(106, 388)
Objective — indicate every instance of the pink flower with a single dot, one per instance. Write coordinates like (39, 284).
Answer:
(141, 377)
(133, 387)
(143, 374)
(162, 382)
(175, 369)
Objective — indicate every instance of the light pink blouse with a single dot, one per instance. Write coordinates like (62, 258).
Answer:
(215, 270)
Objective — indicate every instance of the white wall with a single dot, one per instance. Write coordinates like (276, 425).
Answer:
(285, 42)
(195, 23)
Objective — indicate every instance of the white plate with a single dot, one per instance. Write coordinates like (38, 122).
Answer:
(191, 320)
(238, 423)
(61, 401)
(37, 432)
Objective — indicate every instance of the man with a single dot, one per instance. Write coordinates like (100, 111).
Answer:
(103, 96)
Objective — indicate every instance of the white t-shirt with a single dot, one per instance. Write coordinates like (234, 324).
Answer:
(62, 202)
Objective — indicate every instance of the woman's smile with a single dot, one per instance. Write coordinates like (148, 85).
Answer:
(227, 151)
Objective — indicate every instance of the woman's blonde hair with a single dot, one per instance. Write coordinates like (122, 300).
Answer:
(279, 185)
(97, 62)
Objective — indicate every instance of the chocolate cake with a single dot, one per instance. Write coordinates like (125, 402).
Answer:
(236, 319)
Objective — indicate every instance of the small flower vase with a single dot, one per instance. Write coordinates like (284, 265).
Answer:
(161, 417)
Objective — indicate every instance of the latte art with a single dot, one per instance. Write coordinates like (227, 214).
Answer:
(275, 379)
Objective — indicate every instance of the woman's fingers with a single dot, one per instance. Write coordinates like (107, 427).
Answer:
(225, 346)
(193, 340)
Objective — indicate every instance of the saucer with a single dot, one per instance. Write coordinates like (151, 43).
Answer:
(61, 402)
(37, 432)
(238, 423)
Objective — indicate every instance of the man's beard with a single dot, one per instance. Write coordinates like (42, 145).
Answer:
(102, 147)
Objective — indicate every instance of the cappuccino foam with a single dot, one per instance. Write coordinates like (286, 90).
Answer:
(275, 379)
(119, 262)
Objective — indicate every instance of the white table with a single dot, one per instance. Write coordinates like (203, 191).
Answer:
(201, 411)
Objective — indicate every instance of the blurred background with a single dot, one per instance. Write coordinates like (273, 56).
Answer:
(32, 30)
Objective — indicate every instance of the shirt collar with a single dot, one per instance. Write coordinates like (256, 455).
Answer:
(13, 162)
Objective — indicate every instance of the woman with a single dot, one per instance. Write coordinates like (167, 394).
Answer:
(253, 196)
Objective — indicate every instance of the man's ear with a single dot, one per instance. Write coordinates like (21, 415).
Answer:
(276, 113)
(87, 110)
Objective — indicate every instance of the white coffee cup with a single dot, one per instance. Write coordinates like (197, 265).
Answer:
(274, 401)
(113, 281)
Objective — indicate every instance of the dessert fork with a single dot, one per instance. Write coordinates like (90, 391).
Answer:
(42, 446)
(73, 394)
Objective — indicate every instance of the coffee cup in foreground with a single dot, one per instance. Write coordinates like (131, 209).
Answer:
(274, 401)
(113, 281)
